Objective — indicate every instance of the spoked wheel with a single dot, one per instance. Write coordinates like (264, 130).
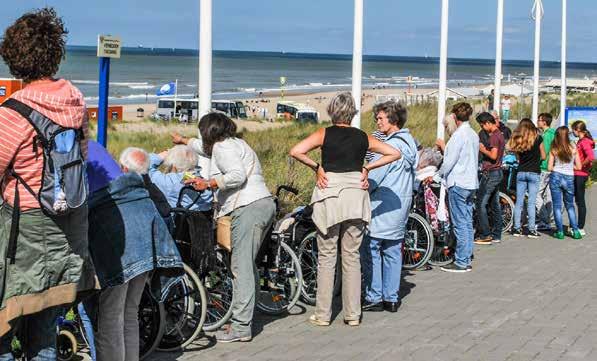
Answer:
(219, 288)
(279, 289)
(444, 248)
(186, 308)
(507, 211)
(152, 321)
(66, 345)
(307, 255)
(418, 242)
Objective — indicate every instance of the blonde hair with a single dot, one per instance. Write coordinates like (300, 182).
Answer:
(523, 137)
(342, 108)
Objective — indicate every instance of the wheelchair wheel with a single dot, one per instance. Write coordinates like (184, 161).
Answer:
(152, 321)
(418, 242)
(507, 212)
(219, 288)
(66, 345)
(186, 307)
(278, 290)
(444, 248)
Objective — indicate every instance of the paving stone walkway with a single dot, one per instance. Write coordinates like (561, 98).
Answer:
(526, 299)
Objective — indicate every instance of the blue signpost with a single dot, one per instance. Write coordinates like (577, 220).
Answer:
(107, 47)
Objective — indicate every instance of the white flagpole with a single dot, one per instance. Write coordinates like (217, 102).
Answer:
(497, 104)
(175, 94)
(564, 89)
(538, 14)
(443, 71)
(357, 60)
(205, 53)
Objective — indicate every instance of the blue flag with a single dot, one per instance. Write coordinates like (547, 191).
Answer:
(167, 89)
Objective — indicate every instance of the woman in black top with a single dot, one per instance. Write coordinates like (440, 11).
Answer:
(341, 208)
(527, 144)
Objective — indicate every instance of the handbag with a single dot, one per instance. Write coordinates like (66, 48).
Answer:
(224, 224)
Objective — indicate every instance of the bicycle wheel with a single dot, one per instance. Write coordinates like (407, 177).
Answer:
(418, 242)
(219, 288)
(279, 289)
(186, 307)
(152, 321)
(507, 212)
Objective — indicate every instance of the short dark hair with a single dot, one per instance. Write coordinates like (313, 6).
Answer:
(395, 111)
(215, 127)
(485, 118)
(34, 45)
(462, 111)
(547, 118)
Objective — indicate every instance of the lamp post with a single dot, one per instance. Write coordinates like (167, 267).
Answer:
(563, 87)
(205, 52)
(443, 70)
(521, 103)
(537, 16)
(357, 60)
(497, 105)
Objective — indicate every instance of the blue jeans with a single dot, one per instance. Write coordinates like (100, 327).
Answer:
(382, 265)
(460, 204)
(37, 336)
(88, 326)
(526, 181)
(562, 186)
(488, 196)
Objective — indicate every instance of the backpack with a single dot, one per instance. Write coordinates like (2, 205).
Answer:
(64, 187)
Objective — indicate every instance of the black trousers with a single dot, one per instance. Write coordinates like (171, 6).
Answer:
(579, 197)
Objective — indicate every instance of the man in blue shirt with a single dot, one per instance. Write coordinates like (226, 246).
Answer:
(459, 172)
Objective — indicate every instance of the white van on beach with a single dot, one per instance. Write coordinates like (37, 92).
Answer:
(298, 111)
(168, 108)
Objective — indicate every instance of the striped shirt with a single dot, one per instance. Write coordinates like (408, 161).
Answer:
(58, 100)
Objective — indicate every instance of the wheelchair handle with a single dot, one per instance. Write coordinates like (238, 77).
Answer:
(287, 189)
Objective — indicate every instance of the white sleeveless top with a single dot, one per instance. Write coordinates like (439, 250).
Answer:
(565, 168)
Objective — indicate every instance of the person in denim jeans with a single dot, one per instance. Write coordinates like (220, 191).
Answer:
(459, 171)
(563, 161)
(527, 144)
(491, 176)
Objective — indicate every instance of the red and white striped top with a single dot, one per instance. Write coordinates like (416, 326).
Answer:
(58, 100)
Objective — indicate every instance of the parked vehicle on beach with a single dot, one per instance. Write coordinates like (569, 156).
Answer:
(297, 111)
(168, 108)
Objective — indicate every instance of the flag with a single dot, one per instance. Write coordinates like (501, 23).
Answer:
(167, 89)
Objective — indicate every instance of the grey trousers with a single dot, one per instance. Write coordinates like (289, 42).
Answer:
(350, 235)
(543, 203)
(249, 226)
(117, 336)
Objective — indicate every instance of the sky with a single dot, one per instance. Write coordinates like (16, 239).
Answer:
(391, 27)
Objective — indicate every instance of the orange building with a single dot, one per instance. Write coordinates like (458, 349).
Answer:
(114, 113)
(8, 87)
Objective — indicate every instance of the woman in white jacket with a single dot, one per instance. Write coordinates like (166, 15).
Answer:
(236, 178)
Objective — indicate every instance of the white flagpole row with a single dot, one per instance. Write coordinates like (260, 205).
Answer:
(564, 89)
(443, 71)
(205, 54)
(357, 60)
(497, 97)
(537, 16)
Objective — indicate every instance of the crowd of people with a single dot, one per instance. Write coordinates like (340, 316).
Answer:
(55, 252)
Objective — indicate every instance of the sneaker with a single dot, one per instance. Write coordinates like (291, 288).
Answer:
(228, 334)
(454, 268)
(352, 322)
(559, 235)
(582, 232)
(533, 234)
(469, 268)
(483, 241)
(517, 232)
(317, 322)
(576, 234)
(372, 306)
(496, 240)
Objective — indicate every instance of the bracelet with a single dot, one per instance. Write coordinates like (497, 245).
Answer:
(317, 166)
(367, 169)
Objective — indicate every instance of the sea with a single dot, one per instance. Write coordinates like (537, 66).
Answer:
(140, 72)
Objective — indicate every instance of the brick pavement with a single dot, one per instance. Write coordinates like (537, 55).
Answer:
(526, 299)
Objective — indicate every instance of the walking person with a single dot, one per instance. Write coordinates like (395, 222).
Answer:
(236, 178)
(543, 203)
(506, 105)
(527, 144)
(563, 161)
(341, 205)
(585, 147)
(44, 259)
(390, 190)
(459, 172)
(488, 194)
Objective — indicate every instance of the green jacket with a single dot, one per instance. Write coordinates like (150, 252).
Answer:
(548, 135)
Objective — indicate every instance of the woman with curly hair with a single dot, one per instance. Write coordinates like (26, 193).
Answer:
(48, 268)
(563, 161)
(527, 144)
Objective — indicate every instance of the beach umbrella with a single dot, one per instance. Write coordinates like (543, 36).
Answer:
(205, 53)
(443, 71)
(537, 16)
(498, 57)
(357, 60)
(563, 85)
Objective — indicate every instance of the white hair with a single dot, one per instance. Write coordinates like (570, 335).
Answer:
(135, 159)
(181, 157)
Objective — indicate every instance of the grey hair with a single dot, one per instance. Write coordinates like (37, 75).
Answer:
(135, 159)
(181, 157)
(395, 111)
(342, 108)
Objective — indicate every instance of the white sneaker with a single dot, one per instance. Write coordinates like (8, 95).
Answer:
(582, 232)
